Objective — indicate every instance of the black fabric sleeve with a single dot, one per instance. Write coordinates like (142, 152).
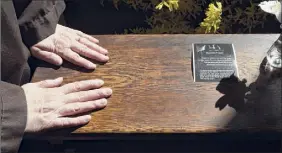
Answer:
(39, 20)
(13, 113)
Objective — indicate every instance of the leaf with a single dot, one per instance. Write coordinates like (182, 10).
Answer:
(166, 4)
(160, 6)
(170, 4)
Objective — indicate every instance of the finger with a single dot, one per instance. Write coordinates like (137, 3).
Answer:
(87, 52)
(90, 38)
(66, 122)
(81, 86)
(46, 56)
(50, 83)
(74, 58)
(93, 46)
(78, 108)
(89, 95)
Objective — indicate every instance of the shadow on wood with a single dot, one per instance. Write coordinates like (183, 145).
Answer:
(257, 105)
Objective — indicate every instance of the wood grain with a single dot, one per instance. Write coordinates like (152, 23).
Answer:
(154, 91)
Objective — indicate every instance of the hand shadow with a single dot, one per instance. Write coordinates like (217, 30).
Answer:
(238, 95)
(234, 93)
(35, 63)
(72, 66)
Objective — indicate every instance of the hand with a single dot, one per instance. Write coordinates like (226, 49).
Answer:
(70, 45)
(50, 106)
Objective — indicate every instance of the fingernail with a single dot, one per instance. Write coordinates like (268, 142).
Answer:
(103, 102)
(58, 62)
(103, 49)
(91, 66)
(88, 118)
(109, 91)
(59, 78)
(100, 82)
(107, 58)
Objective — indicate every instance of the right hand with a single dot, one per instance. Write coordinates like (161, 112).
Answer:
(51, 106)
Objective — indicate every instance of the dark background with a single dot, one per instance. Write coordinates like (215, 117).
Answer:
(91, 17)
(239, 142)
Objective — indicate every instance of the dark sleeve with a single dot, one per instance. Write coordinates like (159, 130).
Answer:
(13, 117)
(39, 19)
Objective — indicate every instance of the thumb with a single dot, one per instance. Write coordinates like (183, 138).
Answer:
(46, 56)
(50, 83)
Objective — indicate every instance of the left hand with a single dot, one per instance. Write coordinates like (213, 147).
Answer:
(71, 45)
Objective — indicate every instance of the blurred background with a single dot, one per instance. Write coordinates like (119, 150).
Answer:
(142, 17)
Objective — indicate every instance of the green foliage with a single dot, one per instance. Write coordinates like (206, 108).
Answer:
(186, 16)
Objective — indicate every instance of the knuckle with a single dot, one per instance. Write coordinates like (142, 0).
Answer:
(76, 107)
(59, 51)
(64, 123)
(83, 50)
(82, 95)
(52, 48)
(64, 37)
(100, 93)
(61, 111)
(70, 111)
(75, 57)
(94, 104)
(77, 86)
(58, 46)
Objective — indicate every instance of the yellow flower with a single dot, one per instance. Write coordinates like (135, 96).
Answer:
(170, 4)
(212, 22)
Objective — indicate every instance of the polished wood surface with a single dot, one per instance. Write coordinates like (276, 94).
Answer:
(154, 92)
